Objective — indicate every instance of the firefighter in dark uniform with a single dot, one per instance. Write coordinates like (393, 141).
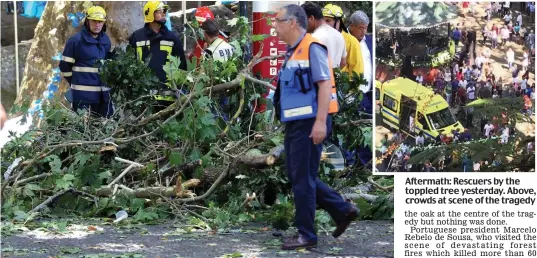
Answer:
(156, 40)
(304, 98)
(79, 64)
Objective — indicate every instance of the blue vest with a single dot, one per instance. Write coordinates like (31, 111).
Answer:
(79, 66)
(296, 92)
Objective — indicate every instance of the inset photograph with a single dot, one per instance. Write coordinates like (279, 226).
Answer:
(455, 87)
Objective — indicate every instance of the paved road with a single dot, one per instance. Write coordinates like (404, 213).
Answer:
(363, 239)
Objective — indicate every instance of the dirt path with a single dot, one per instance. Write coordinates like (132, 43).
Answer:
(499, 62)
(363, 239)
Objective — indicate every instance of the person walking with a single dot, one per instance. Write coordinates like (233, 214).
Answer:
(305, 131)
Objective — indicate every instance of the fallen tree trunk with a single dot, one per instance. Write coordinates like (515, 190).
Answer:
(262, 161)
(152, 192)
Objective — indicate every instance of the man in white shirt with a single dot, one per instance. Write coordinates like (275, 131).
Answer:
(479, 61)
(519, 19)
(328, 36)
(217, 48)
(420, 140)
(510, 57)
(488, 128)
(505, 135)
(507, 18)
(463, 83)
(470, 92)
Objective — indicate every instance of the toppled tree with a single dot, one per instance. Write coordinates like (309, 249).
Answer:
(185, 152)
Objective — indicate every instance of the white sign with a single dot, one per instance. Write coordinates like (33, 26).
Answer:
(273, 51)
(273, 62)
(271, 43)
(273, 32)
(273, 71)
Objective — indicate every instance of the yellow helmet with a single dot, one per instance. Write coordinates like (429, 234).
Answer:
(96, 13)
(331, 10)
(150, 8)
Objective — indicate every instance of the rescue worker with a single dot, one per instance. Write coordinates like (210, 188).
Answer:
(155, 40)
(303, 99)
(217, 48)
(220, 51)
(328, 36)
(79, 61)
(202, 14)
(334, 16)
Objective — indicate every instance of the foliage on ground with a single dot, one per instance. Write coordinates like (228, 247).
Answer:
(201, 159)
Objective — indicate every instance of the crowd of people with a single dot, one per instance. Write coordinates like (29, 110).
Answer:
(471, 76)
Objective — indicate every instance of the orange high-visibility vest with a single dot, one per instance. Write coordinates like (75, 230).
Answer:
(301, 57)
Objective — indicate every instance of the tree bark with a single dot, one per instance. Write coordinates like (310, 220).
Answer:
(262, 161)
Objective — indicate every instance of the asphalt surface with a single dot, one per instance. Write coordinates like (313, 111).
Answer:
(98, 239)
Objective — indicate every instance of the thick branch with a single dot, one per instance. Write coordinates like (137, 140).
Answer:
(354, 123)
(58, 194)
(211, 189)
(383, 188)
(150, 192)
(352, 196)
(254, 80)
(261, 161)
(33, 178)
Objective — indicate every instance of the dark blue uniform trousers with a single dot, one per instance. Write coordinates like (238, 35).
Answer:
(302, 163)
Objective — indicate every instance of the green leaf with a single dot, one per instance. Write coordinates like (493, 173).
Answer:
(176, 158)
(30, 188)
(63, 184)
(232, 22)
(237, 46)
(82, 158)
(55, 163)
(254, 152)
(145, 216)
(20, 215)
(68, 177)
(277, 140)
(70, 250)
(105, 175)
(259, 37)
(208, 119)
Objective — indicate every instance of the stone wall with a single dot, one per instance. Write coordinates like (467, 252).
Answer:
(8, 73)
(25, 26)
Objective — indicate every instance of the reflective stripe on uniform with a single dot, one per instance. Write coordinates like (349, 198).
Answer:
(143, 43)
(166, 43)
(85, 69)
(69, 74)
(89, 88)
(297, 63)
(68, 59)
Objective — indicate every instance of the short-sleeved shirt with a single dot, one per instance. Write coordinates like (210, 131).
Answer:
(320, 70)
(334, 42)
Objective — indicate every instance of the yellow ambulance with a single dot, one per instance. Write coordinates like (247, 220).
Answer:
(412, 108)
